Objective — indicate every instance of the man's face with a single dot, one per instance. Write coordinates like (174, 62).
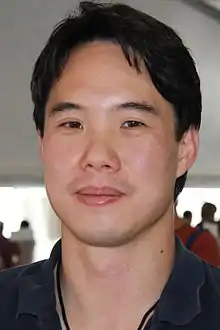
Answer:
(109, 151)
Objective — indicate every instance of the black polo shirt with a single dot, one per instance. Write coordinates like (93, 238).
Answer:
(190, 300)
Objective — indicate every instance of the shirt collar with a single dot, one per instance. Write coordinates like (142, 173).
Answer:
(36, 293)
(180, 300)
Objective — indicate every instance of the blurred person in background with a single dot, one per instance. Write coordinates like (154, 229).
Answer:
(187, 215)
(117, 106)
(25, 239)
(208, 212)
(197, 240)
(208, 219)
(9, 251)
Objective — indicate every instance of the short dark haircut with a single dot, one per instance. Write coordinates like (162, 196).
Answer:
(208, 211)
(25, 224)
(187, 214)
(142, 38)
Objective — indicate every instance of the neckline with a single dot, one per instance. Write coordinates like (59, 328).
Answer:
(63, 311)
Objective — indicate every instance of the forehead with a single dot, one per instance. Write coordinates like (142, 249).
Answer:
(101, 69)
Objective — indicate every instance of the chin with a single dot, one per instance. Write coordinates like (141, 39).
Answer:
(105, 238)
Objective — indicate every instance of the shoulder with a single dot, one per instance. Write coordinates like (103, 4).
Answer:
(212, 282)
(185, 230)
(9, 279)
(213, 276)
(207, 239)
(27, 290)
(9, 287)
(210, 298)
(10, 276)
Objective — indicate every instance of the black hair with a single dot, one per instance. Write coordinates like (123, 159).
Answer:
(142, 38)
(208, 211)
(25, 224)
(187, 214)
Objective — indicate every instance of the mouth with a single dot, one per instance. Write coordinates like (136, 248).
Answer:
(99, 196)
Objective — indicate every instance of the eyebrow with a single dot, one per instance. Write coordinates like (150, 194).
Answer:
(64, 106)
(139, 106)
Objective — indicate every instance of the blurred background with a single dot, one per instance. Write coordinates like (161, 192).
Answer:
(24, 28)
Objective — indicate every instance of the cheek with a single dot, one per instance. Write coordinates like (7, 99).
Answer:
(151, 160)
(59, 159)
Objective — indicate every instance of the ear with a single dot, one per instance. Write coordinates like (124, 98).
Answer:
(187, 151)
(40, 146)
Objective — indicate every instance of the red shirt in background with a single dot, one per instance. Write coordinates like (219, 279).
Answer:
(205, 245)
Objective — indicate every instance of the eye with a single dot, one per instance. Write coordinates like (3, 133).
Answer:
(72, 124)
(132, 124)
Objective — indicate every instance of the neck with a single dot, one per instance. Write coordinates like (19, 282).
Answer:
(107, 283)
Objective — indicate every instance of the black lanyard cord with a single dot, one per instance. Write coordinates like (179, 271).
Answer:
(60, 298)
(143, 321)
(62, 307)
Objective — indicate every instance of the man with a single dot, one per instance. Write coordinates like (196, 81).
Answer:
(198, 240)
(208, 219)
(24, 238)
(9, 251)
(117, 106)
(187, 215)
(208, 212)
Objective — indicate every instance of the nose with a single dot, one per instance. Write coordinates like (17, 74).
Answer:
(100, 156)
